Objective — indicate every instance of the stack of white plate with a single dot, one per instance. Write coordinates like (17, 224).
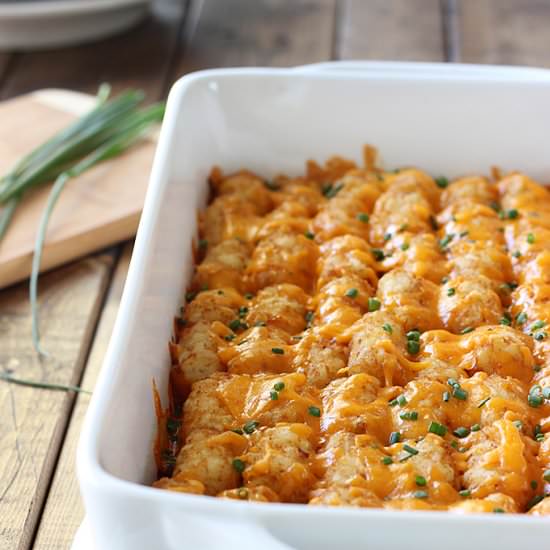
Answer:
(33, 24)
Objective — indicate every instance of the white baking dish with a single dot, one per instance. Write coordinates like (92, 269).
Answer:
(446, 119)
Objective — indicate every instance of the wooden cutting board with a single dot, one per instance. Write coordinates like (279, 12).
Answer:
(99, 208)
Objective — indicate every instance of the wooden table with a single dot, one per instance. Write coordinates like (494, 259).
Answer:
(39, 500)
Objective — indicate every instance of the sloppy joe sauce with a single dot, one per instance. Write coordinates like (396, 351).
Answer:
(365, 338)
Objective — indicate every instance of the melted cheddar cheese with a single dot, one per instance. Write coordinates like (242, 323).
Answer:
(366, 338)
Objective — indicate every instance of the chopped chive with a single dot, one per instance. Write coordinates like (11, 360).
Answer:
(309, 235)
(512, 214)
(463, 233)
(243, 310)
(483, 401)
(420, 481)
(249, 295)
(413, 415)
(437, 428)
(530, 238)
(451, 292)
(446, 396)
(537, 324)
(239, 465)
(506, 321)
(442, 182)
(459, 393)
(465, 493)
(250, 426)
(363, 217)
(387, 460)
(388, 328)
(352, 293)
(521, 318)
(420, 494)
(498, 510)
(279, 386)
(401, 400)
(475, 428)
(537, 430)
(410, 450)
(378, 254)
(446, 240)
(453, 382)
(373, 304)
(237, 431)
(395, 437)
(403, 227)
(516, 254)
(413, 335)
(413, 347)
(444, 280)
(278, 351)
(539, 437)
(314, 411)
(309, 316)
(539, 336)
(518, 424)
(274, 395)
(235, 324)
(387, 236)
(461, 432)
(534, 484)
(393, 403)
(467, 330)
(535, 397)
(229, 337)
(404, 246)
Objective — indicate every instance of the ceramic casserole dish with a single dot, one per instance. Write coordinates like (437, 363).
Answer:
(446, 119)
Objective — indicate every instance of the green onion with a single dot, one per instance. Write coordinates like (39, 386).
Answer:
(498, 510)
(387, 327)
(395, 437)
(278, 351)
(442, 182)
(250, 426)
(413, 347)
(401, 400)
(373, 304)
(362, 217)
(243, 310)
(239, 465)
(249, 295)
(378, 254)
(444, 280)
(461, 432)
(535, 397)
(506, 321)
(451, 292)
(387, 236)
(512, 214)
(534, 484)
(314, 411)
(393, 403)
(530, 238)
(235, 324)
(437, 428)
(516, 254)
(410, 450)
(467, 330)
(279, 386)
(404, 246)
(475, 428)
(465, 493)
(309, 235)
(352, 293)
(229, 337)
(420, 481)
(413, 335)
(274, 395)
(518, 424)
(237, 431)
(387, 460)
(537, 324)
(459, 393)
(539, 336)
(446, 240)
(483, 401)
(412, 415)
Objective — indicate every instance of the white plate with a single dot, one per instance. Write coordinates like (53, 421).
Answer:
(447, 121)
(49, 24)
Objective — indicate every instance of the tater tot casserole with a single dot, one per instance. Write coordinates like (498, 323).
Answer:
(368, 338)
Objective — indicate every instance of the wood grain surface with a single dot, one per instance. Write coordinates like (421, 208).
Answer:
(39, 504)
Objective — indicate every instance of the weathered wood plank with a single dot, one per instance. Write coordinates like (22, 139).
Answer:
(515, 32)
(63, 511)
(33, 420)
(390, 30)
(260, 32)
(71, 298)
